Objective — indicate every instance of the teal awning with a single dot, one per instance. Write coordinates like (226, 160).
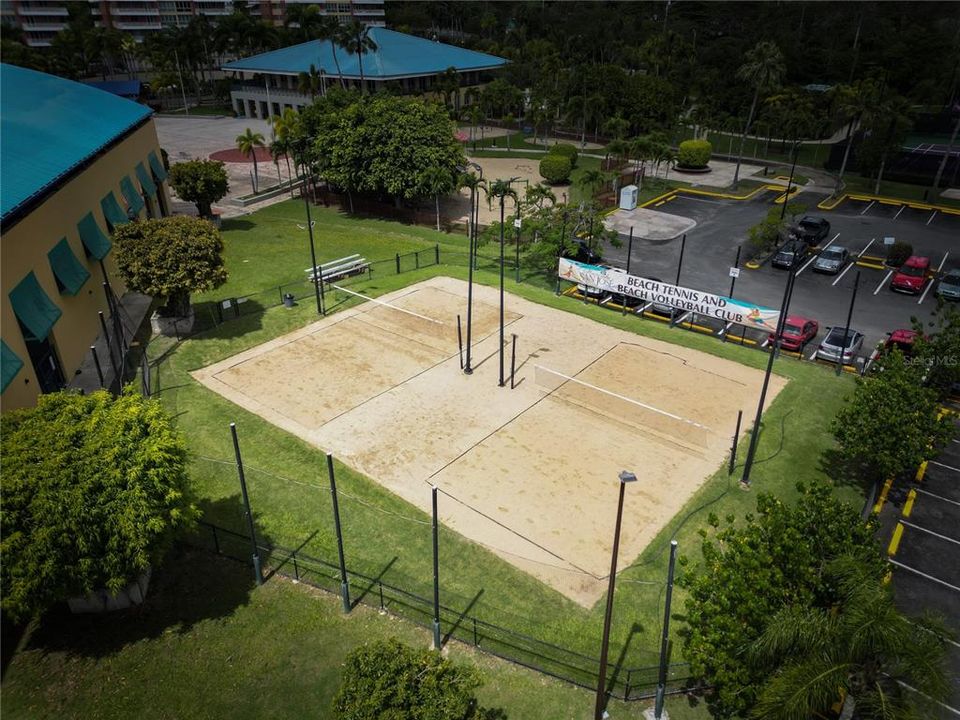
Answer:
(35, 311)
(10, 365)
(145, 182)
(134, 201)
(92, 237)
(158, 170)
(112, 211)
(70, 272)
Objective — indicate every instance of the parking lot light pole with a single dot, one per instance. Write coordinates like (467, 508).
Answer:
(317, 272)
(793, 166)
(736, 264)
(471, 250)
(755, 431)
(683, 244)
(624, 477)
(846, 331)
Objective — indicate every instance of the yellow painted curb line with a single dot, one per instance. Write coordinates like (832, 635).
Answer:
(784, 197)
(699, 328)
(886, 200)
(872, 266)
(878, 506)
(652, 316)
(921, 471)
(895, 540)
(729, 196)
(753, 265)
(648, 203)
(908, 505)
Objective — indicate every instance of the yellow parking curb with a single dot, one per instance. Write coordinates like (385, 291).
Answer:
(895, 540)
(663, 197)
(878, 506)
(784, 197)
(886, 200)
(753, 265)
(908, 505)
(872, 266)
(921, 471)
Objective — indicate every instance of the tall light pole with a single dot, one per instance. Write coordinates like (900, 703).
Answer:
(625, 477)
(317, 272)
(471, 249)
(793, 166)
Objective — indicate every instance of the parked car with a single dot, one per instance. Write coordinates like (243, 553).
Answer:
(790, 253)
(797, 332)
(811, 230)
(661, 307)
(581, 252)
(904, 340)
(832, 260)
(834, 342)
(912, 275)
(949, 286)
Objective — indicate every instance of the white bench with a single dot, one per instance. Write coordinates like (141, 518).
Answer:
(336, 269)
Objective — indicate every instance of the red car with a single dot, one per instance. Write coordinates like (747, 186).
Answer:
(797, 332)
(912, 275)
(902, 339)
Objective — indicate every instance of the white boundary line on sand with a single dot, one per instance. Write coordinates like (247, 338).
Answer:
(389, 305)
(567, 378)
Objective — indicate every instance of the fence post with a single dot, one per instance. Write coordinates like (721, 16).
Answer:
(344, 586)
(475, 641)
(736, 439)
(96, 363)
(436, 254)
(626, 688)
(258, 576)
(216, 539)
(416, 259)
(219, 304)
(398, 263)
(383, 610)
(513, 358)
(459, 340)
(106, 337)
(665, 639)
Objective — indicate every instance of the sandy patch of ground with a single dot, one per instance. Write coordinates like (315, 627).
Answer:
(530, 473)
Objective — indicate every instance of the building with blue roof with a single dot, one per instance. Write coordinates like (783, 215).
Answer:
(75, 162)
(267, 83)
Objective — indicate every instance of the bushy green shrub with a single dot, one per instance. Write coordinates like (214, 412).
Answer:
(93, 489)
(555, 168)
(568, 151)
(694, 154)
(898, 253)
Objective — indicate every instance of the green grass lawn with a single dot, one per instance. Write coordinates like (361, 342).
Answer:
(209, 644)
(387, 537)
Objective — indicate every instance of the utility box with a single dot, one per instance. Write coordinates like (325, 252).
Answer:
(628, 197)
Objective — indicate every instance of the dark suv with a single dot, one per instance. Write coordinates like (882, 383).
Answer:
(790, 253)
(811, 230)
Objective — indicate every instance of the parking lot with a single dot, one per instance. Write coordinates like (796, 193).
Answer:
(919, 528)
(710, 250)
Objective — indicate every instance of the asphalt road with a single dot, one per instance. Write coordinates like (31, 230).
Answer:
(723, 225)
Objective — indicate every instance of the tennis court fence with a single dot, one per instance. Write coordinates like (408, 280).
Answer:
(634, 683)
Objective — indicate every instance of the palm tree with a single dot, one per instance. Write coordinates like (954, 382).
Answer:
(852, 101)
(593, 181)
(888, 120)
(356, 40)
(310, 82)
(538, 194)
(861, 650)
(287, 126)
(247, 144)
(763, 70)
(437, 181)
(642, 149)
(328, 28)
(620, 149)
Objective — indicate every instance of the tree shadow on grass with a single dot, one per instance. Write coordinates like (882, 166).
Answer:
(842, 471)
(190, 586)
(229, 317)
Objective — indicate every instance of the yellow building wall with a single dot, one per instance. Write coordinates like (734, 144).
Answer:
(24, 247)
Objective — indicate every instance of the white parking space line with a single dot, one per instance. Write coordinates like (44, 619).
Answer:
(902, 208)
(883, 282)
(930, 219)
(840, 276)
(703, 200)
(938, 497)
(682, 318)
(930, 284)
(644, 308)
(765, 343)
(864, 211)
(929, 532)
(948, 467)
(872, 241)
(724, 330)
(811, 260)
(812, 355)
(923, 574)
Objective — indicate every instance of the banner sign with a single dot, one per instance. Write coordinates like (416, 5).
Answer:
(618, 282)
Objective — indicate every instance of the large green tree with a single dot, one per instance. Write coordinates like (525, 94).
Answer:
(387, 680)
(890, 422)
(385, 144)
(202, 182)
(860, 648)
(763, 69)
(170, 258)
(93, 489)
(756, 567)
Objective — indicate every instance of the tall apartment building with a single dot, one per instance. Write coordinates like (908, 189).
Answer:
(40, 20)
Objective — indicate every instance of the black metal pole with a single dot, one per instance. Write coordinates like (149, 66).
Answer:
(665, 637)
(608, 615)
(786, 197)
(257, 574)
(513, 358)
(736, 264)
(517, 223)
(106, 337)
(629, 249)
(96, 363)
(436, 572)
(683, 244)
(460, 340)
(344, 584)
(846, 331)
(317, 273)
(736, 440)
(563, 239)
(115, 318)
(467, 368)
(501, 289)
(755, 431)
